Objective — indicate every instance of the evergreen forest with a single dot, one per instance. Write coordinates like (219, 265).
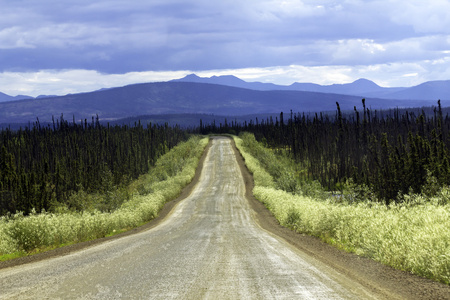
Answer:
(41, 166)
(389, 153)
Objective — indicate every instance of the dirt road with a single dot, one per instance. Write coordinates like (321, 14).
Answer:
(212, 245)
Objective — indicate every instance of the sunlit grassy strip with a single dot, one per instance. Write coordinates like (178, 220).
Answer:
(260, 176)
(415, 238)
(18, 233)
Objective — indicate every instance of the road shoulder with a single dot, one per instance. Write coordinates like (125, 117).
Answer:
(381, 279)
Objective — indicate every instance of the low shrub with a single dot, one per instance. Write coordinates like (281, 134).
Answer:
(27, 233)
(412, 236)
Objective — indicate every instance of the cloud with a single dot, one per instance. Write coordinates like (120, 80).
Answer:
(213, 33)
(61, 82)
(127, 37)
(424, 16)
(12, 38)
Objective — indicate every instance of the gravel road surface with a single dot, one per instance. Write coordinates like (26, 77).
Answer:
(211, 245)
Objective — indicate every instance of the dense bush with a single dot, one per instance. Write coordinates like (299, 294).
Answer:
(149, 193)
(44, 166)
(411, 236)
(386, 153)
(281, 168)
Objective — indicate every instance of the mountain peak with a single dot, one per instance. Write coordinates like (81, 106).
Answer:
(226, 79)
(365, 82)
(229, 80)
(190, 77)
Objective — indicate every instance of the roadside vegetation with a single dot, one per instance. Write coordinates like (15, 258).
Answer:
(45, 167)
(389, 153)
(411, 235)
(80, 217)
(372, 183)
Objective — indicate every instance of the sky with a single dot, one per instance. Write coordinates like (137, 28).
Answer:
(56, 47)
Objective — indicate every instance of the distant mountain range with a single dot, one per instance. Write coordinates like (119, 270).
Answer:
(430, 90)
(223, 95)
(4, 97)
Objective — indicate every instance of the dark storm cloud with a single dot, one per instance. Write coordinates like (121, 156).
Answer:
(114, 36)
(120, 36)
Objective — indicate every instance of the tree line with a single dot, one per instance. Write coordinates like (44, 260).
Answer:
(40, 166)
(392, 152)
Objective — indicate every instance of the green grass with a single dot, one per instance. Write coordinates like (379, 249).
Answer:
(18, 254)
(414, 237)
